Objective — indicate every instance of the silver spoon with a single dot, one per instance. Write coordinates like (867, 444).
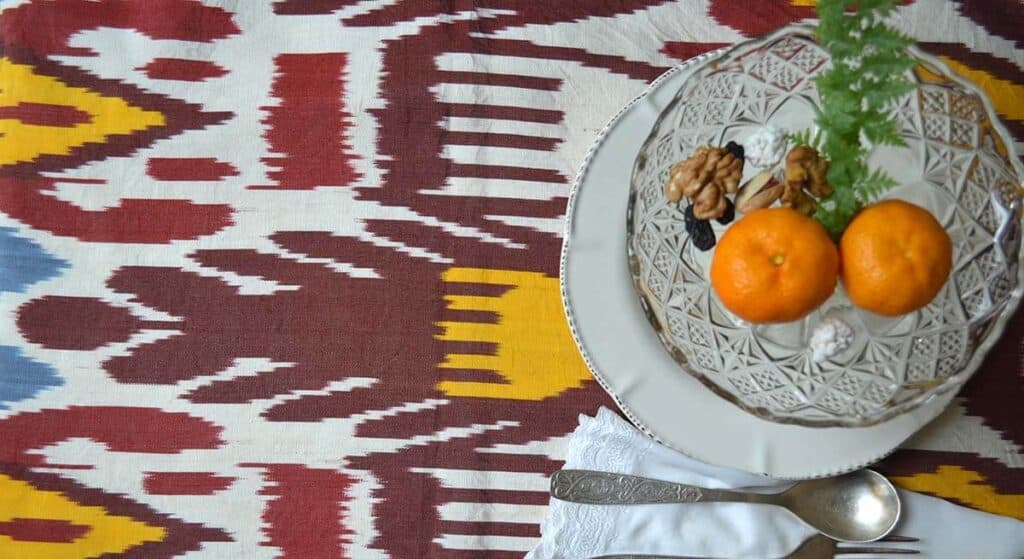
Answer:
(858, 507)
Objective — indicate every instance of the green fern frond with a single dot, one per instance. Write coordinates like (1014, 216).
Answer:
(805, 138)
(858, 94)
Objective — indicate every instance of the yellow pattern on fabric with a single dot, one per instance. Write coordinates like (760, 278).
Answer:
(20, 142)
(536, 354)
(108, 534)
(966, 486)
(1005, 95)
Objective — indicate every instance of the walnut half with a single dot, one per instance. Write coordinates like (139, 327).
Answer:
(705, 178)
(806, 172)
(799, 201)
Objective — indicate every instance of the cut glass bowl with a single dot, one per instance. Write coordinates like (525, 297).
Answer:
(959, 164)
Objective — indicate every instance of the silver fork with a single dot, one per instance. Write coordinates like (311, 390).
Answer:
(816, 547)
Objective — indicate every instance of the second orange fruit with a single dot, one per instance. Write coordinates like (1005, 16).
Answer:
(774, 265)
(896, 258)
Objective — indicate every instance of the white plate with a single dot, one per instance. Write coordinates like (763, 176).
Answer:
(624, 353)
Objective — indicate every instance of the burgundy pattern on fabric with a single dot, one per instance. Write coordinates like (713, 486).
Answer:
(280, 278)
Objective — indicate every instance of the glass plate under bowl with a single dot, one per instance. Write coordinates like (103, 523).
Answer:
(959, 163)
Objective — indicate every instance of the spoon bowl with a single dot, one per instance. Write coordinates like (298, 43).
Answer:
(860, 506)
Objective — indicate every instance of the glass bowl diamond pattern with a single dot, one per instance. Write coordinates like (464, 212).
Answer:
(959, 164)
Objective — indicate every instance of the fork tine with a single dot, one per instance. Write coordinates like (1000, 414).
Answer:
(895, 538)
(875, 551)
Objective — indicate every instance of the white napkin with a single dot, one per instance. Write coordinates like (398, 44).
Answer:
(609, 443)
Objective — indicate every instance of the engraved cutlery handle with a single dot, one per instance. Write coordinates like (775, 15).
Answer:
(592, 487)
(603, 488)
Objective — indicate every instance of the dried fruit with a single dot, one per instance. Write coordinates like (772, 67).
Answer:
(703, 236)
(688, 216)
(730, 213)
(700, 231)
(735, 149)
(759, 192)
(705, 178)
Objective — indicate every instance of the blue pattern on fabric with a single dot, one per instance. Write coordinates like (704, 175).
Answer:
(23, 262)
(22, 377)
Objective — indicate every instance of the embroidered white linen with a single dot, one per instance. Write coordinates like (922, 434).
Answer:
(608, 443)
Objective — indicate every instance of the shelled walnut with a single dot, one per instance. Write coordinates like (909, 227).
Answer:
(798, 200)
(705, 178)
(806, 172)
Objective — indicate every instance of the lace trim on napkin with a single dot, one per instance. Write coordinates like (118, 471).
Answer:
(603, 443)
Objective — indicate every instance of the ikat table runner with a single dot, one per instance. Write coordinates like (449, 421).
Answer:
(280, 278)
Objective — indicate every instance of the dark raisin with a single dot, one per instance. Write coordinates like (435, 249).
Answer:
(730, 213)
(688, 216)
(700, 230)
(702, 235)
(735, 149)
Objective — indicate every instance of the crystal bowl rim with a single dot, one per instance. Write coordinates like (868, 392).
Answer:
(953, 382)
